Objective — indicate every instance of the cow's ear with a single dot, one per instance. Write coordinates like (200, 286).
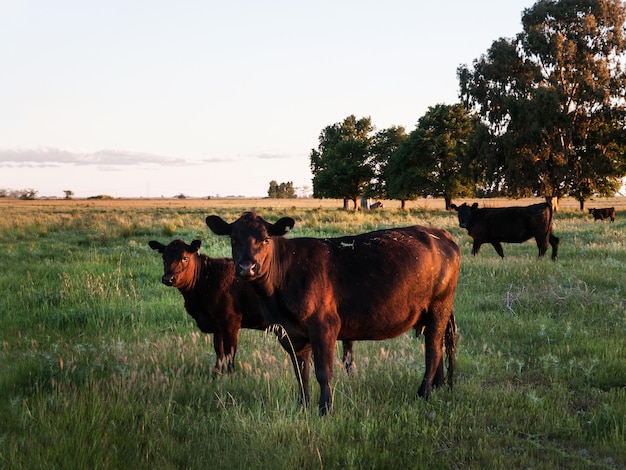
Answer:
(475, 205)
(282, 226)
(195, 245)
(155, 245)
(218, 225)
(454, 207)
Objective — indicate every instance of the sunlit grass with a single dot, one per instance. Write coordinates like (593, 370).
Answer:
(102, 367)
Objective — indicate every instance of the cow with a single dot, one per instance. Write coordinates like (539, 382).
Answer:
(219, 302)
(377, 205)
(508, 225)
(605, 213)
(371, 286)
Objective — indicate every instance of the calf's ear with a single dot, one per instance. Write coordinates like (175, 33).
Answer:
(155, 245)
(454, 207)
(218, 225)
(475, 205)
(195, 245)
(281, 226)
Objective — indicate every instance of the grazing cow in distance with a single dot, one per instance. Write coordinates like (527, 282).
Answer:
(219, 302)
(508, 225)
(377, 205)
(371, 286)
(605, 213)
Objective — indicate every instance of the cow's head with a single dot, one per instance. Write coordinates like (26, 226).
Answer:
(251, 240)
(591, 210)
(465, 213)
(177, 261)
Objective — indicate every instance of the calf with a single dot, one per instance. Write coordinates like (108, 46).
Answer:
(371, 286)
(219, 302)
(605, 213)
(508, 225)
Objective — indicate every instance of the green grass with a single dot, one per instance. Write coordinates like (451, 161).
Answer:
(100, 366)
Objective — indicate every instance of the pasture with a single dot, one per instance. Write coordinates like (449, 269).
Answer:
(101, 367)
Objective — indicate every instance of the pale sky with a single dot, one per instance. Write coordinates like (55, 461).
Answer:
(156, 98)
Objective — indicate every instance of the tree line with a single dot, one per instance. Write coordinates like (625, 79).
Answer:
(540, 114)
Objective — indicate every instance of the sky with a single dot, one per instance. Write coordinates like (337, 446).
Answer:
(154, 98)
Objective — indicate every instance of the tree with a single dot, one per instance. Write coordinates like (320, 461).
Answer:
(384, 144)
(68, 193)
(27, 194)
(281, 191)
(431, 161)
(549, 97)
(341, 164)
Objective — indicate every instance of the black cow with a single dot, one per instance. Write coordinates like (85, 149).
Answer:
(219, 302)
(605, 213)
(371, 286)
(508, 225)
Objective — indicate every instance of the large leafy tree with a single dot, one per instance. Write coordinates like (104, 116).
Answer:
(341, 165)
(384, 144)
(434, 158)
(554, 98)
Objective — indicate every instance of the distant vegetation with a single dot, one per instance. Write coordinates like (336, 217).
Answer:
(282, 190)
(24, 194)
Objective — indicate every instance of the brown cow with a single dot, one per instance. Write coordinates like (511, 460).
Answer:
(508, 225)
(371, 286)
(219, 302)
(605, 213)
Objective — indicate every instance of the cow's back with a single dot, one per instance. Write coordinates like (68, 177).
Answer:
(374, 276)
(510, 224)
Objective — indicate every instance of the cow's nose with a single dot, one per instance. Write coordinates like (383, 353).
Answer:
(247, 269)
(168, 280)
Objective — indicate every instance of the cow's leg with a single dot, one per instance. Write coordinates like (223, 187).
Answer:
(498, 247)
(554, 241)
(230, 349)
(348, 357)
(542, 243)
(323, 336)
(218, 346)
(433, 333)
(475, 247)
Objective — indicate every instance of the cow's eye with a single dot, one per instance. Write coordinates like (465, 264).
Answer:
(185, 259)
(266, 241)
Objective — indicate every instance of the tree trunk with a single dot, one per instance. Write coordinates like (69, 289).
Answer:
(448, 201)
(346, 206)
(403, 204)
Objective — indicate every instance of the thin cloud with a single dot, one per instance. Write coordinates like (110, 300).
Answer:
(272, 156)
(54, 157)
(221, 160)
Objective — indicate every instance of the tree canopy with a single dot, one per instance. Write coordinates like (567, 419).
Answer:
(433, 159)
(341, 165)
(554, 100)
(281, 191)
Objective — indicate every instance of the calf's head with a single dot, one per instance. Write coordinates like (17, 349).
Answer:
(251, 240)
(177, 261)
(465, 213)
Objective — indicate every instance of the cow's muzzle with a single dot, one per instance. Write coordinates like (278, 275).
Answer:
(168, 279)
(247, 269)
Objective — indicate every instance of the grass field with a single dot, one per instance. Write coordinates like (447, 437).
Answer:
(100, 366)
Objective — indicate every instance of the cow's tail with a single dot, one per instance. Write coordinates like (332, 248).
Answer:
(450, 344)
